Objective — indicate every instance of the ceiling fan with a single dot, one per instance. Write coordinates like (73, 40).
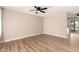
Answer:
(77, 14)
(39, 9)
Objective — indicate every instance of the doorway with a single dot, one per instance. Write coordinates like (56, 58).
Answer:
(73, 26)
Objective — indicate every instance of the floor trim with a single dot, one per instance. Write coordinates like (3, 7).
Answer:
(30, 36)
(61, 36)
(18, 38)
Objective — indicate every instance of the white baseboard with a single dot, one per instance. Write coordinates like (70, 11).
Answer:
(56, 35)
(18, 38)
(33, 35)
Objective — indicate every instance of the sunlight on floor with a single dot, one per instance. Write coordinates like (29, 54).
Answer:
(74, 36)
(74, 39)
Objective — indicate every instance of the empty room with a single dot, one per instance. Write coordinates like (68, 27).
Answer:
(39, 28)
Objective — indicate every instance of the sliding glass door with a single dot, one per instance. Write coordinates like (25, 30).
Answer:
(74, 26)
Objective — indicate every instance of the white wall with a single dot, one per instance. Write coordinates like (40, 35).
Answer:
(55, 24)
(0, 23)
(17, 25)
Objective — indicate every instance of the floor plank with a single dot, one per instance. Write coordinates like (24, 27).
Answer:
(40, 43)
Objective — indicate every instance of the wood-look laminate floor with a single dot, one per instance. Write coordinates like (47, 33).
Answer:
(39, 43)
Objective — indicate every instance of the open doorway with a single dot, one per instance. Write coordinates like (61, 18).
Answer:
(73, 26)
(74, 29)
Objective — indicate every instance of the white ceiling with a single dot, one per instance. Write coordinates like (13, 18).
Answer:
(50, 10)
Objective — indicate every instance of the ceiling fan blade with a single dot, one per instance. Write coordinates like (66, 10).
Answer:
(42, 11)
(77, 14)
(36, 7)
(43, 8)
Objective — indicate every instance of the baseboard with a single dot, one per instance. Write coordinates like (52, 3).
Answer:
(33, 35)
(18, 38)
(57, 35)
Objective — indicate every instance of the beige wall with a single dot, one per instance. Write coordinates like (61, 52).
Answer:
(18, 25)
(55, 24)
